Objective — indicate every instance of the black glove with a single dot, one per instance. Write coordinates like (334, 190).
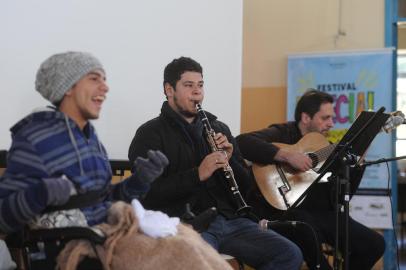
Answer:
(59, 190)
(148, 169)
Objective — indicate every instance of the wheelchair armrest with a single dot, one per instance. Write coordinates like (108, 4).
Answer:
(30, 236)
(68, 233)
(81, 200)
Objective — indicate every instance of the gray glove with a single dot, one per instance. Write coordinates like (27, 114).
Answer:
(59, 190)
(148, 169)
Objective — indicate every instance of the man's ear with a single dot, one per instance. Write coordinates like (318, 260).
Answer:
(69, 92)
(168, 90)
(305, 118)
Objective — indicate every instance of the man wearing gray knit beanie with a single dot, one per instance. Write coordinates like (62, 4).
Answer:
(75, 83)
(57, 151)
(61, 71)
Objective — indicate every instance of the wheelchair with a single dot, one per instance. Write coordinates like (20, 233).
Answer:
(34, 249)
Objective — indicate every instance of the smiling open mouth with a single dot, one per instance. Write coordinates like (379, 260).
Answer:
(99, 98)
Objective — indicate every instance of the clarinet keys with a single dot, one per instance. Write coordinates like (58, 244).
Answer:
(242, 207)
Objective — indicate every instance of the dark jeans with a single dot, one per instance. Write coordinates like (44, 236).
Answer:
(261, 249)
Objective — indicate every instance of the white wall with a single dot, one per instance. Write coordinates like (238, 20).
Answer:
(134, 39)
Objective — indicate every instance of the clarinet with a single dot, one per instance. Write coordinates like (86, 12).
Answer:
(242, 207)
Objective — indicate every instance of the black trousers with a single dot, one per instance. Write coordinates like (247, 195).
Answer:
(317, 210)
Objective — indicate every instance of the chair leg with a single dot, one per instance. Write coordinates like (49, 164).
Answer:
(234, 262)
(19, 256)
(401, 231)
(240, 265)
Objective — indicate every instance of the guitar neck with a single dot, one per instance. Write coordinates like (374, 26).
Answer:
(322, 154)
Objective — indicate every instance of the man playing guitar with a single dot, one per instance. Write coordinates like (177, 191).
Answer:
(313, 114)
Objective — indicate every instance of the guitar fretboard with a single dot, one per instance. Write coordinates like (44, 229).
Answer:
(323, 153)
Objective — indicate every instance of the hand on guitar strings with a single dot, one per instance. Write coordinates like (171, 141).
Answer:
(296, 160)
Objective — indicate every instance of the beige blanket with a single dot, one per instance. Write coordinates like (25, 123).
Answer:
(127, 248)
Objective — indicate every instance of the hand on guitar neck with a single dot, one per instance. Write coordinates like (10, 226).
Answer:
(297, 160)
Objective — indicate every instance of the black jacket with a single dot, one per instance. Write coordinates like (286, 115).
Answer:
(179, 184)
(257, 146)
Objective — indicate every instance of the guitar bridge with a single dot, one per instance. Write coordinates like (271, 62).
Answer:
(283, 191)
(285, 183)
(285, 187)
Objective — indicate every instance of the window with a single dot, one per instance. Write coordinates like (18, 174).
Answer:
(401, 102)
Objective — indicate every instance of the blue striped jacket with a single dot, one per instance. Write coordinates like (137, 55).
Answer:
(48, 144)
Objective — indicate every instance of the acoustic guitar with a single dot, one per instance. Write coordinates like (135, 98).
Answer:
(280, 184)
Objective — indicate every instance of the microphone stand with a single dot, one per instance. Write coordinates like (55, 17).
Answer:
(344, 159)
(339, 163)
(342, 205)
(381, 160)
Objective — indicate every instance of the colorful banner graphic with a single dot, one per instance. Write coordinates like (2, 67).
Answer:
(358, 81)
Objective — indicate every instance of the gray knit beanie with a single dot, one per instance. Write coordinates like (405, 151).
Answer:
(60, 72)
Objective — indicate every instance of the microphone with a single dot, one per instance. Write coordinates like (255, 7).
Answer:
(265, 224)
(395, 119)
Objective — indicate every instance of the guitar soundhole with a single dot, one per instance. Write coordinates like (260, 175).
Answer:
(314, 158)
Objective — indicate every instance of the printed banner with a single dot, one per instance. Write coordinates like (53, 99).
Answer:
(358, 81)
(372, 211)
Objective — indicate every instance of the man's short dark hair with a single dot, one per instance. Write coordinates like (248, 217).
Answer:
(310, 103)
(174, 70)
